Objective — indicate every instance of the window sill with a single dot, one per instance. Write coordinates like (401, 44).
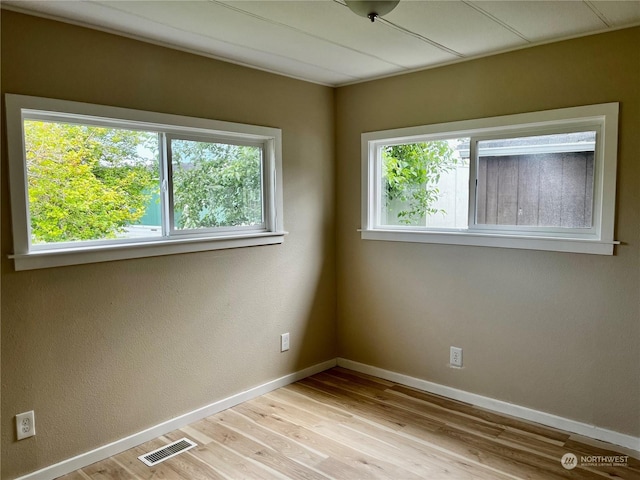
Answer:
(95, 254)
(555, 244)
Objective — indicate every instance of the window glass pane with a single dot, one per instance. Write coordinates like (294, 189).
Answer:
(544, 181)
(216, 184)
(425, 184)
(91, 183)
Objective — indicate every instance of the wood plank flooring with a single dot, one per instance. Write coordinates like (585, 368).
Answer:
(344, 425)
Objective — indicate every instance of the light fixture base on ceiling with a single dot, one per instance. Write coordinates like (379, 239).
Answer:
(371, 9)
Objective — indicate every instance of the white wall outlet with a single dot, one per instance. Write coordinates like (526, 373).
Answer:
(284, 342)
(455, 357)
(25, 425)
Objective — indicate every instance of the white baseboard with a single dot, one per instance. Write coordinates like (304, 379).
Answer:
(573, 426)
(106, 451)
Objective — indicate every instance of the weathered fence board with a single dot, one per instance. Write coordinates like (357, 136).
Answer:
(528, 190)
(507, 191)
(536, 190)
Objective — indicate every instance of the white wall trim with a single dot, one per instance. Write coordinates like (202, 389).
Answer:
(106, 451)
(499, 406)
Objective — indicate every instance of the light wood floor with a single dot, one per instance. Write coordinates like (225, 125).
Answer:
(344, 425)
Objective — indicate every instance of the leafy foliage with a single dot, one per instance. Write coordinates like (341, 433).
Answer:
(85, 182)
(89, 183)
(411, 173)
(216, 185)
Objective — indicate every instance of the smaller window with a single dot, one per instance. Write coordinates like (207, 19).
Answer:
(543, 180)
(425, 184)
(216, 186)
(93, 183)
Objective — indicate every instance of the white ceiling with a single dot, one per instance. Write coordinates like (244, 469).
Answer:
(324, 42)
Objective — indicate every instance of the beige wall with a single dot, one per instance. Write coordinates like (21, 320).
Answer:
(555, 332)
(105, 350)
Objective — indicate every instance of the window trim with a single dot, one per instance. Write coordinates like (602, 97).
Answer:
(598, 240)
(26, 257)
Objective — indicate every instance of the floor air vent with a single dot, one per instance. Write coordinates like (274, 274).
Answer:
(171, 450)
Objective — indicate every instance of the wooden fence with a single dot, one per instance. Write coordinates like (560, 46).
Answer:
(536, 189)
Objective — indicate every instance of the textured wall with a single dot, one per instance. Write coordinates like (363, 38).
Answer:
(105, 350)
(556, 332)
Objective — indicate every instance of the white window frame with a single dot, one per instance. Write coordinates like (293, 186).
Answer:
(27, 256)
(170, 220)
(602, 118)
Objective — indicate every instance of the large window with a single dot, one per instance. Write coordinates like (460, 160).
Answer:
(93, 183)
(543, 180)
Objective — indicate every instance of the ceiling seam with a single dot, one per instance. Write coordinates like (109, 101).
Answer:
(419, 37)
(496, 20)
(167, 44)
(597, 12)
(297, 30)
(406, 31)
(301, 62)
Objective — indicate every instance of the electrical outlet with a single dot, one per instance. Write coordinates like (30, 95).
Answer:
(455, 357)
(284, 342)
(25, 425)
